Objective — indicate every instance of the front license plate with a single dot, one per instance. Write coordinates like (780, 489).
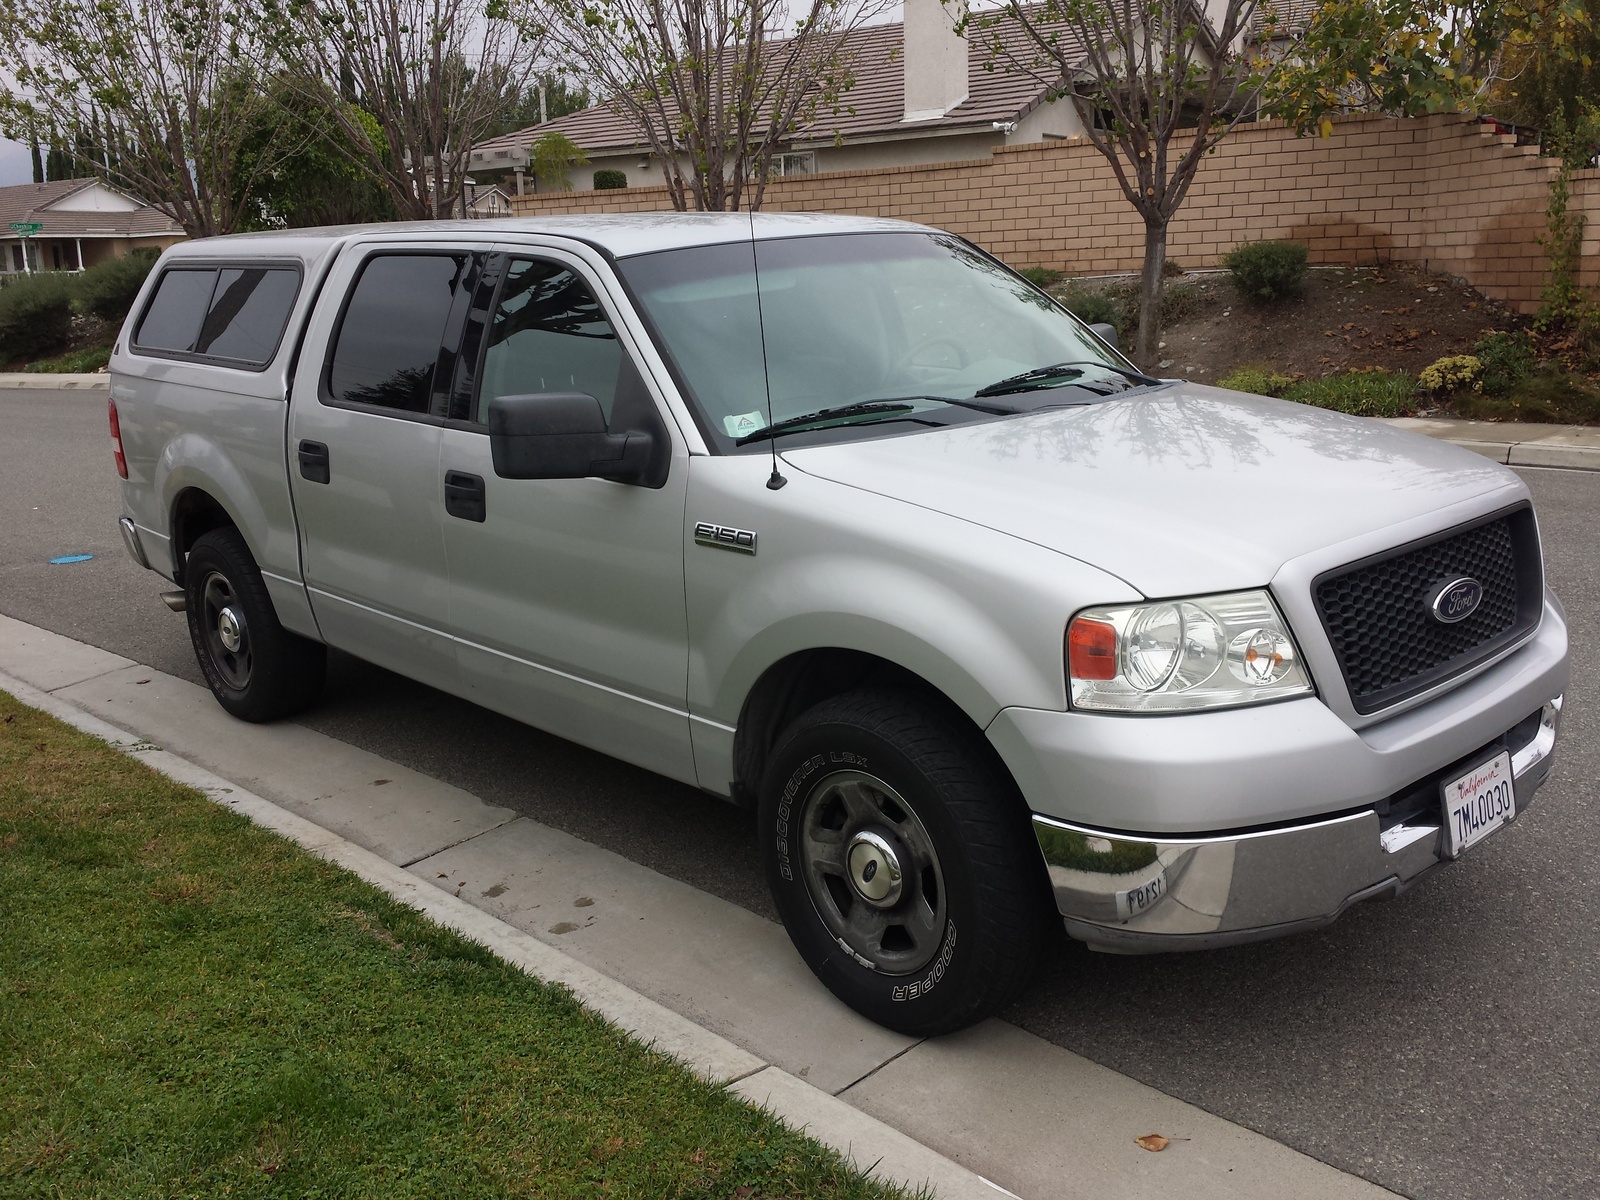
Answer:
(1478, 803)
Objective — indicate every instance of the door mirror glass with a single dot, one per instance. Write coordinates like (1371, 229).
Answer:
(562, 435)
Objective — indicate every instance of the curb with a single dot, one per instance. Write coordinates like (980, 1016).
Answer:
(52, 382)
(1567, 447)
(873, 1146)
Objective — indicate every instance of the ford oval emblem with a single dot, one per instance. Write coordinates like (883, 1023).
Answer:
(1456, 600)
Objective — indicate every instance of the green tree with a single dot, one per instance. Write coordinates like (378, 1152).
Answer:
(524, 107)
(551, 157)
(714, 87)
(1156, 84)
(1406, 58)
(157, 94)
(326, 183)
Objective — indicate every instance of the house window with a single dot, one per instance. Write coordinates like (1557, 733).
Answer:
(802, 162)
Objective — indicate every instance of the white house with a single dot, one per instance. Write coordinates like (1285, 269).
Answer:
(80, 222)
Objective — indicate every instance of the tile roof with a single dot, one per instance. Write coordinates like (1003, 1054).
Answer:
(33, 201)
(874, 107)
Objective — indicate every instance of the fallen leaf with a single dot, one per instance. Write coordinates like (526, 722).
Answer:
(140, 682)
(379, 782)
(1152, 1142)
(10, 717)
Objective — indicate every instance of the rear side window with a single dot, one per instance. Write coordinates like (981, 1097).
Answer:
(249, 308)
(172, 321)
(234, 314)
(389, 337)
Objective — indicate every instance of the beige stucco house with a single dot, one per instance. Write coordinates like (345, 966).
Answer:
(81, 222)
(921, 95)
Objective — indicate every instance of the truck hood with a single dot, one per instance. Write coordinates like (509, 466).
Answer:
(1188, 490)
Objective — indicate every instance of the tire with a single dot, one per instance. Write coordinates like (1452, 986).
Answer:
(256, 668)
(960, 926)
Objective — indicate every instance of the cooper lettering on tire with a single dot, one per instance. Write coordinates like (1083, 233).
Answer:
(890, 826)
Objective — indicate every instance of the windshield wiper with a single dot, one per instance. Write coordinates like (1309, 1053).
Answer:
(842, 412)
(885, 404)
(1018, 383)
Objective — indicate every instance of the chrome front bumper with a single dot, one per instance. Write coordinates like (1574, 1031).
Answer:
(1133, 895)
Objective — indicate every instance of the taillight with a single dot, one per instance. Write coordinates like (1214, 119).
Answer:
(1091, 649)
(117, 455)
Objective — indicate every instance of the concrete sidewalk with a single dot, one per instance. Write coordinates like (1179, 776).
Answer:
(720, 985)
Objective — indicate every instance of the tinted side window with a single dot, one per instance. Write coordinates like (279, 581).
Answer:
(172, 321)
(249, 309)
(388, 340)
(548, 334)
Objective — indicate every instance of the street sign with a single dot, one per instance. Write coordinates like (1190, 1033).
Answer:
(26, 228)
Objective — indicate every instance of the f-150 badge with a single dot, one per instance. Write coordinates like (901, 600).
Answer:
(725, 537)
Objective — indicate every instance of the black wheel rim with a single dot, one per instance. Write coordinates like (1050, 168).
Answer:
(226, 635)
(872, 872)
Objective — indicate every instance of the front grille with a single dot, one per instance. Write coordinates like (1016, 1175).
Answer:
(1378, 612)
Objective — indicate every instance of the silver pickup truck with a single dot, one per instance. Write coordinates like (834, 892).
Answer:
(844, 521)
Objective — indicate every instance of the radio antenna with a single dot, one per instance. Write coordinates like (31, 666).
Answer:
(775, 480)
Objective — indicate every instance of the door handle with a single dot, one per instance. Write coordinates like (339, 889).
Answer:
(464, 496)
(314, 462)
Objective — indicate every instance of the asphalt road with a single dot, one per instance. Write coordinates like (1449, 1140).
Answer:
(1443, 1045)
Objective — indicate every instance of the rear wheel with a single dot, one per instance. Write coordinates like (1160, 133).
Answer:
(901, 861)
(256, 668)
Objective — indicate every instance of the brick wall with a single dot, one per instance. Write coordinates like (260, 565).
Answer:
(1444, 191)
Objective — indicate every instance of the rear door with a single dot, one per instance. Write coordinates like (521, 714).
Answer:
(364, 434)
(567, 595)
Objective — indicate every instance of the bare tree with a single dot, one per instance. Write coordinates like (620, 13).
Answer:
(715, 87)
(157, 94)
(412, 84)
(1156, 84)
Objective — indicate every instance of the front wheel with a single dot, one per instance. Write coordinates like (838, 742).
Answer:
(901, 862)
(256, 668)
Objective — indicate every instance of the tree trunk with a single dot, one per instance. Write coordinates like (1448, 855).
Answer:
(1146, 348)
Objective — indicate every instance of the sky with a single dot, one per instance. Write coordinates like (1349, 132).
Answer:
(16, 166)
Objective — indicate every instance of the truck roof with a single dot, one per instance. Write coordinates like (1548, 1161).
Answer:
(619, 234)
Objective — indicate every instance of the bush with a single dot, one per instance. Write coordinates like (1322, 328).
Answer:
(1257, 380)
(1265, 272)
(1507, 358)
(1040, 277)
(609, 178)
(1360, 393)
(76, 362)
(1450, 374)
(35, 315)
(107, 290)
(1092, 307)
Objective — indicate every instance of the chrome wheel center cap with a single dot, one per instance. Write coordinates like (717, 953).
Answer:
(230, 629)
(874, 869)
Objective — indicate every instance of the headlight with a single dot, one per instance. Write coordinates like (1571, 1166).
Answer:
(1179, 655)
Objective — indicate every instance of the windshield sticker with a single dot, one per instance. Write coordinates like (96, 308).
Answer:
(742, 423)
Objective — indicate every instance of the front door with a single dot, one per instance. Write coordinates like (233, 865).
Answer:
(364, 432)
(566, 595)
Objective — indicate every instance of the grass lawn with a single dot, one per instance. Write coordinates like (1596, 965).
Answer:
(191, 1006)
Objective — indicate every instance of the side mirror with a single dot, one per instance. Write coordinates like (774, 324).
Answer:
(563, 435)
(1106, 333)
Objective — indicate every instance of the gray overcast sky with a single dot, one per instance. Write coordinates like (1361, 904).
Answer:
(15, 165)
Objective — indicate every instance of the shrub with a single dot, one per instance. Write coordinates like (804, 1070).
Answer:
(1361, 393)
(35, 315)
(73, 363)
(1450, 374)
(1092, 307)
(107, 290)
(608, 178)
(1258, 380)
(1507, 359)
(1265, 272)
(1040, 277)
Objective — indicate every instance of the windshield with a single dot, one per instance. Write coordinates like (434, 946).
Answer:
(851, 319)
